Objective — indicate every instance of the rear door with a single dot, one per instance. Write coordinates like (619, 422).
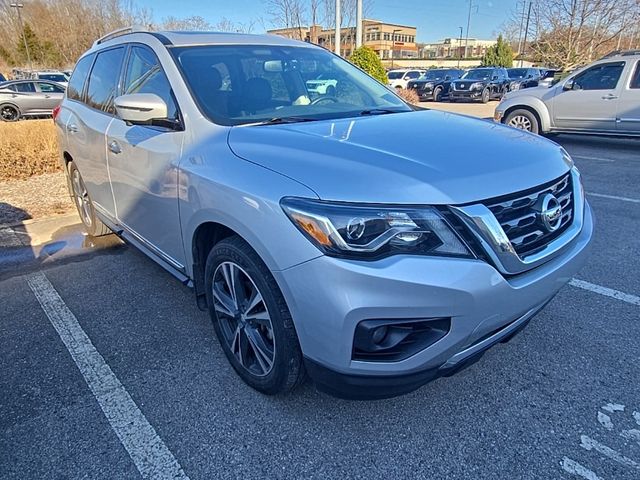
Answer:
(88, 124)
(143, 163)
(593, 101)
(629, 104)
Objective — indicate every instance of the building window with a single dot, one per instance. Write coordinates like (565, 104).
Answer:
(386, 36)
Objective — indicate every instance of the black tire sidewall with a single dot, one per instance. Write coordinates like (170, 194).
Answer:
(91, 229)
(535, 126)
(17, 110)
(437, 94)
(288, 358)
(486, 96)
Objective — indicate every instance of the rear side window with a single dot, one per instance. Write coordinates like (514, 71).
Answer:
(27, 87)
(145, 75)
(103, 81)
(79, 75)
(635, 79)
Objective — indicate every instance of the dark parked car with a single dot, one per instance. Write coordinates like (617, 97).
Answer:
(434, 84)
(523, 78)
(482, 84)
(22, 98)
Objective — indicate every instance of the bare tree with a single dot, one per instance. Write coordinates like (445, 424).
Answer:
(288, 14)
(568, 33)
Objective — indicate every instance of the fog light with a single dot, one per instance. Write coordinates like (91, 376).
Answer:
(379, 334)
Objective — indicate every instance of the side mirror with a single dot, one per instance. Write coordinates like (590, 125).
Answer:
(141, 108)
(495, 77)
(570, 85)
(447, 78)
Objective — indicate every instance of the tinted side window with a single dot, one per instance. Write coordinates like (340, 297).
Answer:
(79, 75)
(27, 87)
(49, 88)
(600, 77)
(103, 81)
(145, 75)
(635, 79)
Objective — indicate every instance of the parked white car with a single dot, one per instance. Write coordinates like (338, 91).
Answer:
(602, 98)
(322, 86)
(400, 78)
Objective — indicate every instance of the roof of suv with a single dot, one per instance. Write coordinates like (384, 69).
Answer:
(185, 38)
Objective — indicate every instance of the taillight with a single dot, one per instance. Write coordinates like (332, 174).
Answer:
(56, 112)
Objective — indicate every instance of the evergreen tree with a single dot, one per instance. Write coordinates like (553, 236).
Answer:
(367, 59)
(499, 55)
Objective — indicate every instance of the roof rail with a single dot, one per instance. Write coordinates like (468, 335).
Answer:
(621, 53)
(120, 32)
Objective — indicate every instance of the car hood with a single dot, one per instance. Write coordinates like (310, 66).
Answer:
(418, 157)
(542, 92)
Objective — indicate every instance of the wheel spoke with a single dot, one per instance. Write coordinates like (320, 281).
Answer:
(224, 303)
(235, 345)
(260, 317)
(263, 354)
(254, 301)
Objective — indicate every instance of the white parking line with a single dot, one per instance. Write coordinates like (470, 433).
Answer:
(589, 443)
(147, 450)
(607, 292)
(613, 197)
(571, 466)
(600, 159)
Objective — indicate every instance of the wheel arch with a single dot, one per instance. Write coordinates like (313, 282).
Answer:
(536, 107)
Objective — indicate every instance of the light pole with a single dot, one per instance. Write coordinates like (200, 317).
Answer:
(18, 7)
(466, 43)
(460, 47)
(393, 45)
(358, 23)
(338, 26)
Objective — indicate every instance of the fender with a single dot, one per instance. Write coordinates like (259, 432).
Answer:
(532, 103)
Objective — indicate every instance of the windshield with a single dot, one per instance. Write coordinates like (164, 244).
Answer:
(240, 84)
(433, 75)
(478, 74)
(517, 72)
(395, 75)
(54, 77)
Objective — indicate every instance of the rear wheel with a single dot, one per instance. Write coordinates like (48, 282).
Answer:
(9, 113)
(524, 120)
(251, 318)
(91, 222)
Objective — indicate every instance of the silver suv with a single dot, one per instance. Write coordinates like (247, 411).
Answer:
(321, 236)
(603, 97)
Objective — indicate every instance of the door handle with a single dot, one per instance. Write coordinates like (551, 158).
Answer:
(72, 128)
(47, 96)
(609, 97)
(114, 147)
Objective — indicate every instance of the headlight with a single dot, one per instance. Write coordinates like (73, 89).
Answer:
(371, 231)
(428, 85)
(476, 86)
(566, 157)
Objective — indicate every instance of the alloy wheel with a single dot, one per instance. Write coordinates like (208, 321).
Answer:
(81, 197)
(521, 122)
(9, 113)
(244, 319)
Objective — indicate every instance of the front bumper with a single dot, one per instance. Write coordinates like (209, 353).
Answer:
(328, 297)
(465, 94)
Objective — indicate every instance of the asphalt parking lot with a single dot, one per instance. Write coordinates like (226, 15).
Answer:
(110, 371)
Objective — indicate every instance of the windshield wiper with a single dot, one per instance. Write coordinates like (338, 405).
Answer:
(280, 120)
(379, 111)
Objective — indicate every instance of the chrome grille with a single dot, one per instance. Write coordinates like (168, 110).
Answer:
(520, 221)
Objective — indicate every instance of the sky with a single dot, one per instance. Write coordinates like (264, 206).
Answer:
(435, 19)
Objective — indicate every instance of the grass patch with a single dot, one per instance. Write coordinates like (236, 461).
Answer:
(28, 148)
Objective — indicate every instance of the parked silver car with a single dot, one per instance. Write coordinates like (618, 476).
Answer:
(28, 98)
(320, 233)
(603, 98)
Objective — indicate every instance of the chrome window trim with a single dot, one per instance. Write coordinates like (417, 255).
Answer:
(488, 231)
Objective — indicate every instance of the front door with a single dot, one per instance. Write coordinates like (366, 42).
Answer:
(592, 102)
(629, 105)
(143, 163)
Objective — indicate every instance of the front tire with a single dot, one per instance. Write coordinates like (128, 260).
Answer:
(437, 94)
(251, 318)
(84, 205)
(486, 95)
(524, 120)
